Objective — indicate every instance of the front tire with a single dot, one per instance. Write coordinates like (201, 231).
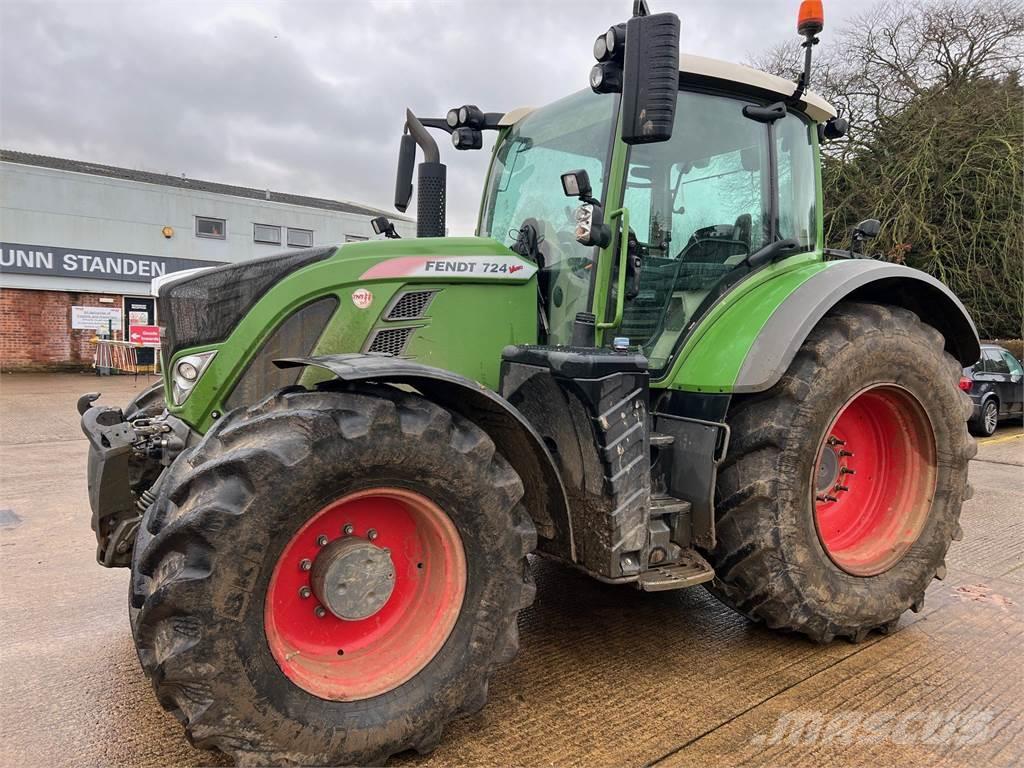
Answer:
(842, 487)
(241, 649)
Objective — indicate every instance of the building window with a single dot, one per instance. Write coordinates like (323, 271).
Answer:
(355, 238)
(300, 238)
(266, 233)
(207, 227)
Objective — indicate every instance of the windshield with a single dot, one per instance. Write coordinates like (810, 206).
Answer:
(525, 186)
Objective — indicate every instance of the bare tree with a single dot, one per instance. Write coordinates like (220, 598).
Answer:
(936, 143)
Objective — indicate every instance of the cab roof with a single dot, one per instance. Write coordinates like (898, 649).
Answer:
(704, 68)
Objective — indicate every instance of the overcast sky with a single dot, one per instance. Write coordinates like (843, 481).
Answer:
(309, 97)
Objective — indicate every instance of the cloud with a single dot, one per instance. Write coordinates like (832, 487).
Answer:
(308, 97)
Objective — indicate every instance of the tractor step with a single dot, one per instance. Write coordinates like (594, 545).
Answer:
(661, 440)
(690, 570)
(663, 504)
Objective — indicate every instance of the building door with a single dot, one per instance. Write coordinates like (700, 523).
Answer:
(140, 310)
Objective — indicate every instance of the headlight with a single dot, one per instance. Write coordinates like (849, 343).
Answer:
(186, 373)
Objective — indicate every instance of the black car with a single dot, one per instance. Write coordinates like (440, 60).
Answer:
(996, 385)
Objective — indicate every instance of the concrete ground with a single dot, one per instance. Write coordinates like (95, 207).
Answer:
(606, 676)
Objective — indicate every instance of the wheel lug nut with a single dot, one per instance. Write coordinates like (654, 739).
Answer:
(305, 592)
(321, 540)
(841, 488)
(836, 441)
(846, 453)
(305, 564)
(847, 471)
(371, 534)
(348, 529)
(829, 497)
(319, 612)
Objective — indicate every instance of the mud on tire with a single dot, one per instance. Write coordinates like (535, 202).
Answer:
(226, 510)
(770, 563)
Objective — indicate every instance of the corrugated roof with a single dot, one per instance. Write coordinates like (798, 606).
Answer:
(181, 182)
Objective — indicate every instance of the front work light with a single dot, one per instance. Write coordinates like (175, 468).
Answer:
(590, 227)
(615, 41)
(467, 138)
(606, 77)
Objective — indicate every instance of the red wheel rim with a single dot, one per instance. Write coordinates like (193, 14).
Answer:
(874, 480)
(347, 660)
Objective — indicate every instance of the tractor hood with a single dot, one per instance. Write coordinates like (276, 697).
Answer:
(204, 306)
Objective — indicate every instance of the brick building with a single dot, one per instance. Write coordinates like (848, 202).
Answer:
(80, 242)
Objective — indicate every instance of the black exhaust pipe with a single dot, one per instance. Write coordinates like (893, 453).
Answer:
(432, 179)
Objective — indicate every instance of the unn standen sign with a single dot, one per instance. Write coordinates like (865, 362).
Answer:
(16, 258)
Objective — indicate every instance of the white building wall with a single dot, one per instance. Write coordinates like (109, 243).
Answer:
(63, 209)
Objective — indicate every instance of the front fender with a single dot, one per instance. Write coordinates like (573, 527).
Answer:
(513, 435)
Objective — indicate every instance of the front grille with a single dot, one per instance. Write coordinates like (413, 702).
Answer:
(410, 306)
(390, 341)
(204, 309)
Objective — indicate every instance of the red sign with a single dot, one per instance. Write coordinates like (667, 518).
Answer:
(144, 335)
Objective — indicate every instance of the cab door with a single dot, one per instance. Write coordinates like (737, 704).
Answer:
(699, 204)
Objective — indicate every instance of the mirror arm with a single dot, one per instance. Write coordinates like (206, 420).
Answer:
(623, 252)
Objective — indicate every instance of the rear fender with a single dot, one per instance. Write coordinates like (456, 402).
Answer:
(513, 435)
(855, 280)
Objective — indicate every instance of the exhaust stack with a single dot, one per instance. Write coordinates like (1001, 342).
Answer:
(432, 179)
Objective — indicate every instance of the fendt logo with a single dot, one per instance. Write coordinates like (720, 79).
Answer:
(471, 266)
(486, 267)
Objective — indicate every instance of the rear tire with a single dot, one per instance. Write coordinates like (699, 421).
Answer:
(771, 563)
(211, 546)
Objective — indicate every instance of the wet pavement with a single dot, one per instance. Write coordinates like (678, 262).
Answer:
(606, 675)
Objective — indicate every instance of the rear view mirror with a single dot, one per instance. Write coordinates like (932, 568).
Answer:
(403, 178)
(576, 184)
(650, 84)
(868, 229)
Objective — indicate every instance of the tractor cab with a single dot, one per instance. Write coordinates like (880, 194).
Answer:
(700, 204)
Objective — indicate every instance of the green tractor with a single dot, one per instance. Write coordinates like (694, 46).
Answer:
(646, 365)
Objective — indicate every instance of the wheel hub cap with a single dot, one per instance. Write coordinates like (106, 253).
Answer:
(365, 593)
(353, 578)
